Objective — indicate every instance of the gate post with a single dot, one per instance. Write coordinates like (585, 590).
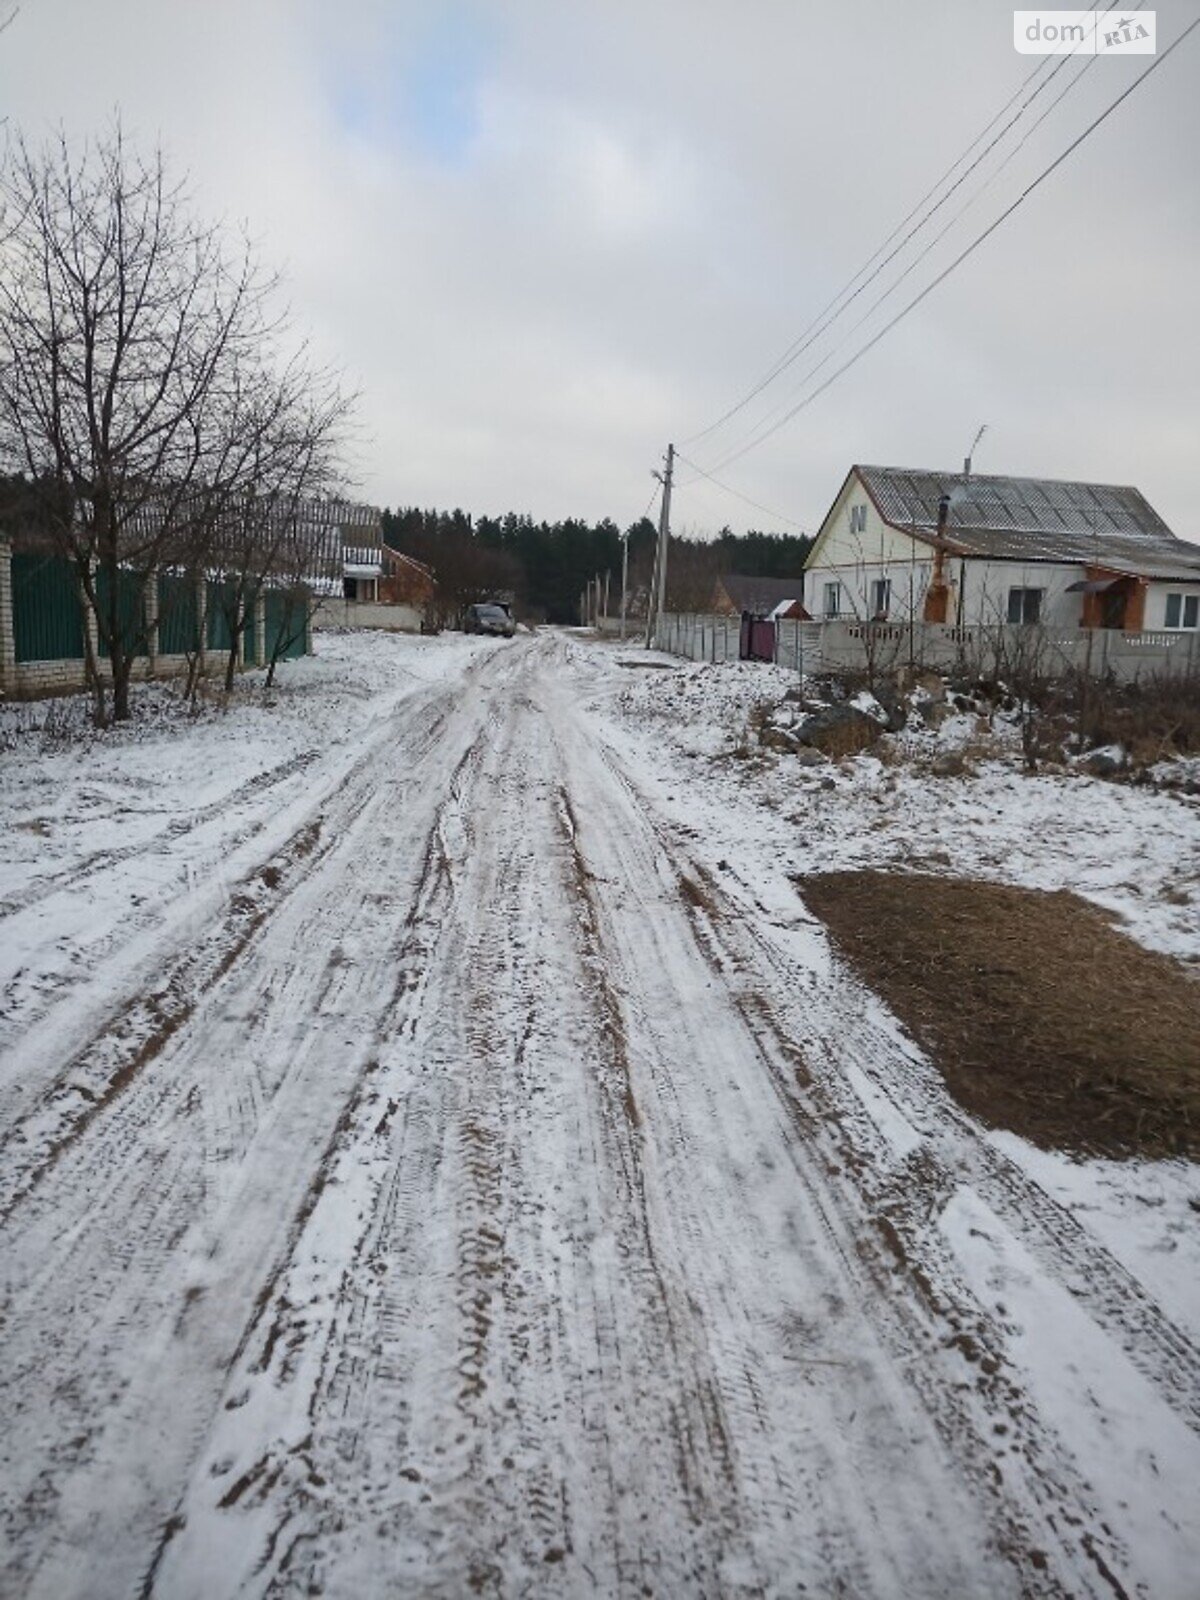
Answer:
(8, 643)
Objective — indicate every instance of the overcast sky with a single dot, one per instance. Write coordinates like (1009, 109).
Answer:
(543, 238)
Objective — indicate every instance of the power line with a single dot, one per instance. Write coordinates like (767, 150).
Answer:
(654, 493)
(737, 493)
(962, 256)
(734, 453)
(824, 320)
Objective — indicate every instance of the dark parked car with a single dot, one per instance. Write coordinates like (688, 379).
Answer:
(490, 617)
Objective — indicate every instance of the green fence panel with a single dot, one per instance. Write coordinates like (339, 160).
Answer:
(218, 608)
(281, 617)
(130, 621)
(249, 639)
(47, 614)
(178, 616)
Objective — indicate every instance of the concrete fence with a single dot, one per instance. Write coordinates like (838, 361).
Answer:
(335, 612)
(990, 651)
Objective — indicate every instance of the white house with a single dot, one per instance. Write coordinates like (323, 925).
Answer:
(946, 547)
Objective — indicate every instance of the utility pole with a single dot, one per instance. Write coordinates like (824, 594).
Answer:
(604, 612)
(624, 579)
(658, 587)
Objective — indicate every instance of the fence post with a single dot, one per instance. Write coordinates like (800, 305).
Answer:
(201, 622)
(150, 611)
(90, 626)
(8, 643)
(260, 628)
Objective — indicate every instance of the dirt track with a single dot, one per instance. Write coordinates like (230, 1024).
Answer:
(486, 1195)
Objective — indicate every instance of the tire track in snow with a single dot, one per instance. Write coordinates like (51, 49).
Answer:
(690, 1050)
(493, 1339)
(509, 1253)
(37, 893)
(51, 1037)
(175, 1223)
(1053, 1504)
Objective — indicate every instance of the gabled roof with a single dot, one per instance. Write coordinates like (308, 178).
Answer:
(760, 594)
(396, 558)
(1034, 519)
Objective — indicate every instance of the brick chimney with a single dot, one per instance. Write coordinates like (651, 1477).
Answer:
(937, 596)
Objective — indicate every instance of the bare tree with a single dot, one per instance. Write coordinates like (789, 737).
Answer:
(290, 452)
(136, 352)
(307, 569)
(692, 572)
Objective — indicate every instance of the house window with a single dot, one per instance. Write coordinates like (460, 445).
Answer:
(1025, 605)
(1183, 610)
(858, 519)
(881, 598)
(833, 599)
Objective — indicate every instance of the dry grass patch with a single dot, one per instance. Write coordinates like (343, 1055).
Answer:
(1042, 1017)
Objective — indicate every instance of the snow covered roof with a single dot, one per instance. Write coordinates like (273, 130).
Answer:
(1035, 519)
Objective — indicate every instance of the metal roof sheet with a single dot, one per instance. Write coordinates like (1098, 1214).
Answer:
(1036, 519)
(760, 594)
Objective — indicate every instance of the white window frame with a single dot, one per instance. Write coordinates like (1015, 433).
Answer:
(833, 592)
(881, 597)
(1024, 620)
(1187, 611)
(858, 519)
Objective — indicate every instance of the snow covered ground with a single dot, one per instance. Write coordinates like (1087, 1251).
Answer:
(443, 1155)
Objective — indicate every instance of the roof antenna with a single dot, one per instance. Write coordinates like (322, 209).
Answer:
(974, 447)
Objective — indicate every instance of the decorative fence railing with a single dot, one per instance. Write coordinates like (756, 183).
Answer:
(995, 651)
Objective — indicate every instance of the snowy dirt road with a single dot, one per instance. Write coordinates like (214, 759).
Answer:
(477, 1191)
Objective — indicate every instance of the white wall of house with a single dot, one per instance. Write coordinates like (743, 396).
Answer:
(980, 591)
(854, 533)
(857, 550)
(988, 587)
(1160, 613)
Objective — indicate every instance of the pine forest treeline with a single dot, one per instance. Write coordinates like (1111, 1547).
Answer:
(546, 565)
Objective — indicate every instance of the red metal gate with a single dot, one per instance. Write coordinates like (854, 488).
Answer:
(757, 642)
